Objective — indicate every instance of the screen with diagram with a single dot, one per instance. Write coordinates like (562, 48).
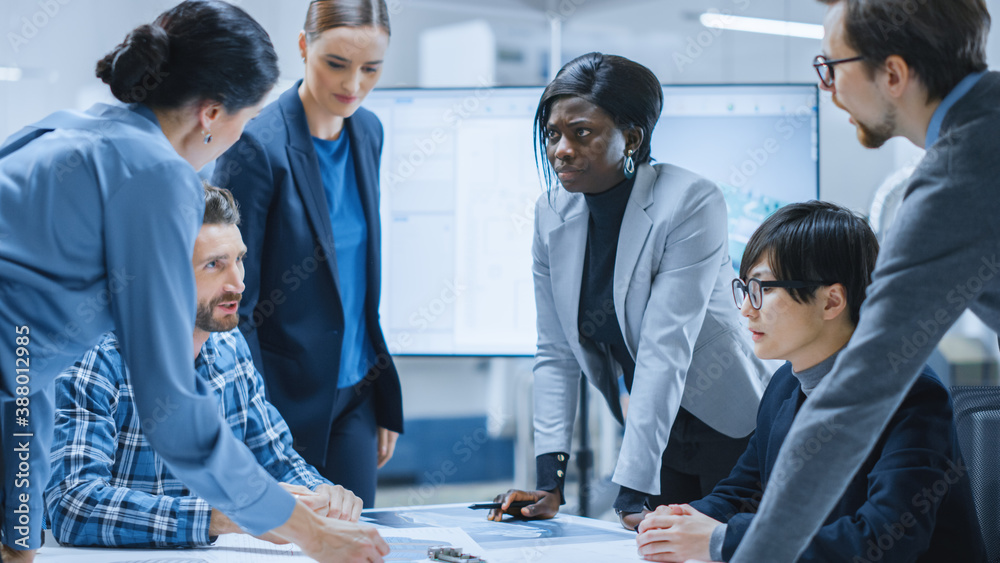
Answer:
(459, 184)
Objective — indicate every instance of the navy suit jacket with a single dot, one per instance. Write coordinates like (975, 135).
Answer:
(291, 313)
(911, 501)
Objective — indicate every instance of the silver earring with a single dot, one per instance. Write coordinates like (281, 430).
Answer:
(629, 165)
(208, 137)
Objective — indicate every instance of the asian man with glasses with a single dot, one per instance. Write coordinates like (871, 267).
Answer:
(895, 508)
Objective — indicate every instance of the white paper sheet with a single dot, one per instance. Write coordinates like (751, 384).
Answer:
(409, 544)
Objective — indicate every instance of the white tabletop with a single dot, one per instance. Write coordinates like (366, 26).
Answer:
(565, 538)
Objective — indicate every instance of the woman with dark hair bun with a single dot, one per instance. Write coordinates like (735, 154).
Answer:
(632, 273)
(306, 175)
(99, 211)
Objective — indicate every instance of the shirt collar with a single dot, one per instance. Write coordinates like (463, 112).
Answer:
(934, 128)
(208, 352)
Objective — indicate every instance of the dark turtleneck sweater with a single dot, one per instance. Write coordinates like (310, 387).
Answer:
(597, 320)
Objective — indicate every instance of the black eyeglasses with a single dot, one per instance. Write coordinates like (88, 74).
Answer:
(754, 289)
(824, 68)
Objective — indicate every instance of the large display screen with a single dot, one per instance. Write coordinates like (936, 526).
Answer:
(459, 185)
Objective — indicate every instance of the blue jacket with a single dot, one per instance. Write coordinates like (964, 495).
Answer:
(911, 501)
(98, 218)
(291, 312)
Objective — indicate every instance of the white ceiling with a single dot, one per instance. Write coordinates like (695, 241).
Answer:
(663, 14)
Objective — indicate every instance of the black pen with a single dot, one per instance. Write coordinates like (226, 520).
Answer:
(517, 504)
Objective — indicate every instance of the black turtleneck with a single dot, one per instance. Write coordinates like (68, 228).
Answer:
(597, 320)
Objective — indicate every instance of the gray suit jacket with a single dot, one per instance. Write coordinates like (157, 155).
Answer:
(674, 303)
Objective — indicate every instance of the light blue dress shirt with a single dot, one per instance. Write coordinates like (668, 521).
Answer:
(98, 217)
(956, 94)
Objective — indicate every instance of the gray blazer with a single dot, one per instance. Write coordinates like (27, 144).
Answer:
(673, 300)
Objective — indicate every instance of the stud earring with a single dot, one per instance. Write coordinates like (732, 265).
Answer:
(629, 165)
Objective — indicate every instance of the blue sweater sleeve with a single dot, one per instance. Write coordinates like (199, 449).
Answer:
(154, 316)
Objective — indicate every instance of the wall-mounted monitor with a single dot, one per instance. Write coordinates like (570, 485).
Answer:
(459, 185)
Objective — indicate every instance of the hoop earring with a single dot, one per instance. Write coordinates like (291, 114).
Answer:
(208, 137)
(629, 165)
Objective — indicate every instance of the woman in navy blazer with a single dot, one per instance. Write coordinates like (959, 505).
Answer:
(306, 175)
(99, 211)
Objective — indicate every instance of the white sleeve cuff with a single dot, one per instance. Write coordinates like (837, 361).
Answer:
(716, 541)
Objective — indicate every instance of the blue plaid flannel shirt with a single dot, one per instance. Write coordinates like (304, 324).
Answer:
(108, 486)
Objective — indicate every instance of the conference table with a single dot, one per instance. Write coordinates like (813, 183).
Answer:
(410, 531)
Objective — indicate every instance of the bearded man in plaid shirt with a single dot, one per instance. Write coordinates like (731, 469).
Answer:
(108, 486)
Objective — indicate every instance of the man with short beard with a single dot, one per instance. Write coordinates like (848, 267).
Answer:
(917, 70)
(108, 487)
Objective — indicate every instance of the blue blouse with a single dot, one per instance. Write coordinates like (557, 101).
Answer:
(98, 218)
(350, 239)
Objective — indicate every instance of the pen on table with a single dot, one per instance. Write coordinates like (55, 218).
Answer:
(517, 505)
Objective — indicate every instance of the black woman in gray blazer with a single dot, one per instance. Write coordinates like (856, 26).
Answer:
(632, 278)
